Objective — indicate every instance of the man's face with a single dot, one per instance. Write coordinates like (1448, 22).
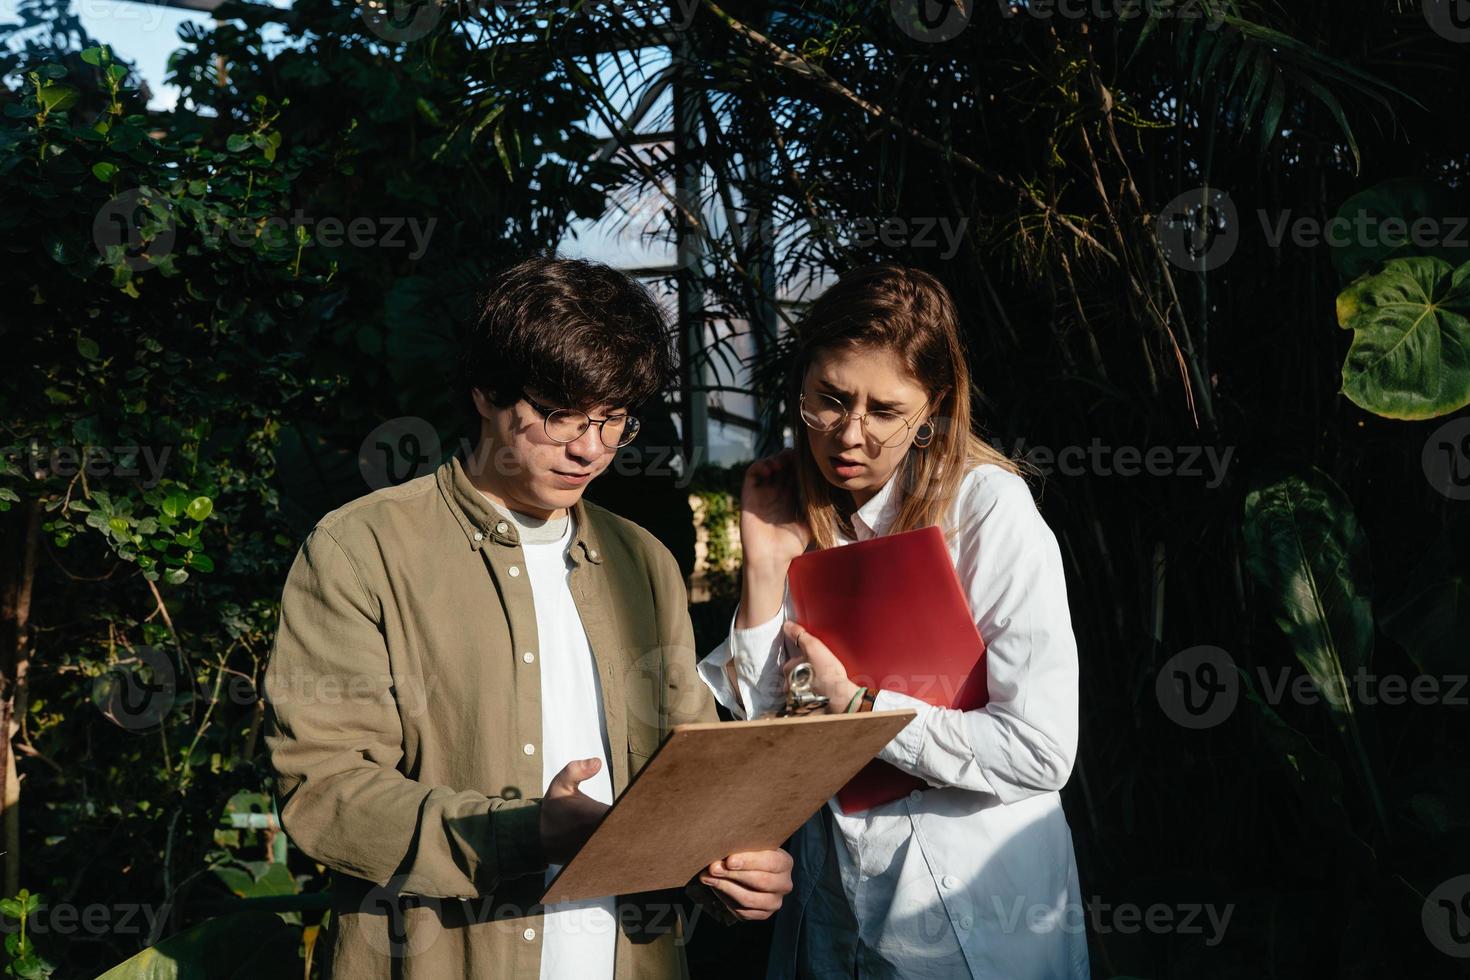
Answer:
(528, 470)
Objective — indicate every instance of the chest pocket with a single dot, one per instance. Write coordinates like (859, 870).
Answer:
(643, 689)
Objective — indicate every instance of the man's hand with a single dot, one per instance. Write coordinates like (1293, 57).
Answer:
(568, 816)
(750, 884)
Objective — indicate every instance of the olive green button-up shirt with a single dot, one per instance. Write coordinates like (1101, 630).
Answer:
(404, 703)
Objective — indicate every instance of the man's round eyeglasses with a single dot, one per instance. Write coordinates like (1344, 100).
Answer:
(825, 413)
(566, 425)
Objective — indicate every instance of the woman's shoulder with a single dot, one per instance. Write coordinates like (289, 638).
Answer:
(985, 484)
(991, 491)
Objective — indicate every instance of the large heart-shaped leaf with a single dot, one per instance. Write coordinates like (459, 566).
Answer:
(231, 947)
(1310, 560)
(1410, 355)
(1398, 219)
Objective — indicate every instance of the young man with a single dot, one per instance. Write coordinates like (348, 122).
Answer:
(472, 665)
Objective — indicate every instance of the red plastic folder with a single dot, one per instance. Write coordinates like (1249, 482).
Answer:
(891, 608)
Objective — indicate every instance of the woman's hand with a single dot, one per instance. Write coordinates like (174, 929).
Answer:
(829, 677)
(772, 533)
(771, 527)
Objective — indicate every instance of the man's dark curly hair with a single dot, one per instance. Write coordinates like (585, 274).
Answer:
(579, 334)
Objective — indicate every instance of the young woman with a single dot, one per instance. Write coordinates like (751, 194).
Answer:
(974, 876)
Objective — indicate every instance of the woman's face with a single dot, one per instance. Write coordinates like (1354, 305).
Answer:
(863, 381)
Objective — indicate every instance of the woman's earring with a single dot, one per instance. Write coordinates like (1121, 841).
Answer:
(925, 435)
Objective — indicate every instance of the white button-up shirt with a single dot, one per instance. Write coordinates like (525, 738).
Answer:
(974, 876)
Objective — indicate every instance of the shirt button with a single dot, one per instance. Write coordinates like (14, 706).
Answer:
(916, 796)
(479, 536)
(592, 553)
(502, 527)
(515, 570)
(949, 881)
(529, 749)
(528, 656)
(530, 934)
(966, 922)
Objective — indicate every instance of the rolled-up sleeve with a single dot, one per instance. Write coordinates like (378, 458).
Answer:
(1024, 741)
(754, 651)
(335, 740)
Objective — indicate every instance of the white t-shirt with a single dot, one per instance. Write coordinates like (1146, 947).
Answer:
(578, 939)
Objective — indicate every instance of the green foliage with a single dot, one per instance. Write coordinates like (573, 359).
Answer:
(203, 359)
(1410, 357)
(1310, 559)
(22, 959)
(1053, 144)
(241, 945)
(1368, 236)
(1400, 241)
(719, 516)
(143, 438)
(199, 374)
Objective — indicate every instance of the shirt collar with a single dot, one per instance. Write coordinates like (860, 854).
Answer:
(876, 516)
(483, 524)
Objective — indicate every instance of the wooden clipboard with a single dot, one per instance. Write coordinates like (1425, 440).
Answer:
(716, 788)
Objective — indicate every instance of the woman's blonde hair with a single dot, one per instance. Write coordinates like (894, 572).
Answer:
(906, 311)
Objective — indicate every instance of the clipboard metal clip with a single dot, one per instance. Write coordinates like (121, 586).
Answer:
(800, 698)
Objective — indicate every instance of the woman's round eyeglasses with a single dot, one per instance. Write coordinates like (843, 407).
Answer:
(566, 425)
(825, 413)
